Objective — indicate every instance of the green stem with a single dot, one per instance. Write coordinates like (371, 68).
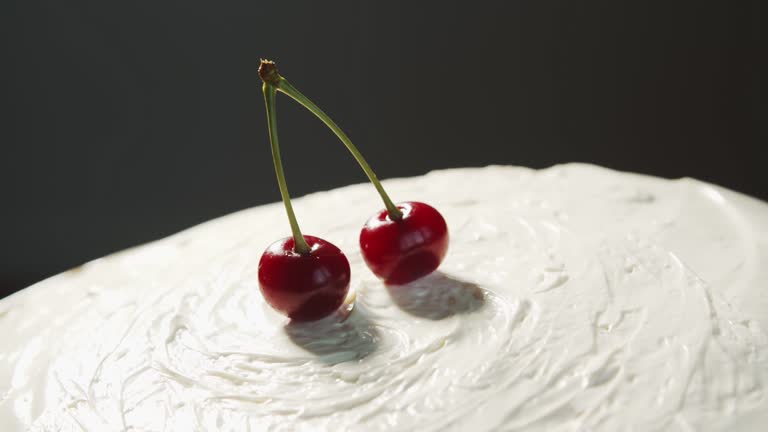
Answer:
(299, 243)
(285, 87)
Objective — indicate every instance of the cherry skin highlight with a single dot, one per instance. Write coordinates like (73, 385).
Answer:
(401, 251)
(305, 287)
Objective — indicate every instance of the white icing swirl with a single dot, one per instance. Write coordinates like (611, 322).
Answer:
(573, 298)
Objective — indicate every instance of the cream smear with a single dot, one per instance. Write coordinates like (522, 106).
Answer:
(573, 298)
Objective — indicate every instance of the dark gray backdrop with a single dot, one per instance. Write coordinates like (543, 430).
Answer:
(133, 120)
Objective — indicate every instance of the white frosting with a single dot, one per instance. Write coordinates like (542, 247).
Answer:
(572, 299)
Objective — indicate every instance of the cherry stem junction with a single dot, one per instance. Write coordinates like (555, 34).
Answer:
(272, 77)
(270, 93)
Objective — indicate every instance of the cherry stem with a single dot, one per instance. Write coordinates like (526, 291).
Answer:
(299, 243)
(268, 73)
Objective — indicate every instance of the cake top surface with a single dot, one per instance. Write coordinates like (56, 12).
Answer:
(572, 298)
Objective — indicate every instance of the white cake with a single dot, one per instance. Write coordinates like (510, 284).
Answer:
(572, 299)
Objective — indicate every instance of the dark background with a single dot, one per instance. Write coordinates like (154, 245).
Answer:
(129, 121)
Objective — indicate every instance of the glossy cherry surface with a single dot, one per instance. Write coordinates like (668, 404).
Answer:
(304, 287)
(401, 251)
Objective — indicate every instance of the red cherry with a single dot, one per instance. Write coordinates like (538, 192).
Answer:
(401, 251)
(398, 249)
(304, 287)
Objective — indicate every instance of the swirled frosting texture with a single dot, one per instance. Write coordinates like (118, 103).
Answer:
(573, 299)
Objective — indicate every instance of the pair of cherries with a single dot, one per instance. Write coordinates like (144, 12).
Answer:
(306, 277)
